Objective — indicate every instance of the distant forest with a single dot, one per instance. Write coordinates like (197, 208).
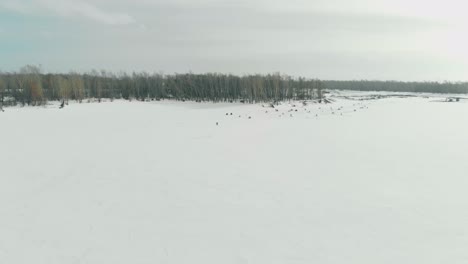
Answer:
(395, 86)
(30, 87)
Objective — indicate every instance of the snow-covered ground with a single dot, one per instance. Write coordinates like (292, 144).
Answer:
(371, 181)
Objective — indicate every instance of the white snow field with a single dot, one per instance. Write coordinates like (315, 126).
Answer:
(160, 182)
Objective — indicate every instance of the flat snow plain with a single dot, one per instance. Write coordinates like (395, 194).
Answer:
(160, 182)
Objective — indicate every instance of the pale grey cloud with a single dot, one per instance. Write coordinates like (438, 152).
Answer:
(69, 8)
(16, 6)
(87, 10)
(333, 39)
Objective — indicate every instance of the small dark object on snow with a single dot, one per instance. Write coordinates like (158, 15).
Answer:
(62, 105)
(216, 123)
(227, 114)
(250, 117)
(276, 110)
(453, 99)
(231, 113)
(296, 110)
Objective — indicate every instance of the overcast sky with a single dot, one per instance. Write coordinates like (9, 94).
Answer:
(327, 39)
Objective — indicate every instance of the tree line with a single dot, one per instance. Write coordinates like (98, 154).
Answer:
(396, 86)
(31, 87)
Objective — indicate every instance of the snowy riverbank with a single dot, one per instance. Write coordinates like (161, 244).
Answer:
(372, 181)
